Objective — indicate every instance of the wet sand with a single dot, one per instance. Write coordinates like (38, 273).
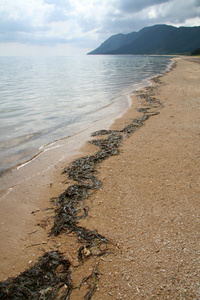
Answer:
(148, 205)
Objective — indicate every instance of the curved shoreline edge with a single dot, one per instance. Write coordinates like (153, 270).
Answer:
(90, 250)
(82, 172)
(17, 161)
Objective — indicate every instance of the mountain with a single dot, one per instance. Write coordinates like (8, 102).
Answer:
(157, 39)
(115, 42)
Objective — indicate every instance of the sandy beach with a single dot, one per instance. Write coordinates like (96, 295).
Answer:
(147, 208)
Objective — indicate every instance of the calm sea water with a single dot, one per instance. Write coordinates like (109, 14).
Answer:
(46, 99)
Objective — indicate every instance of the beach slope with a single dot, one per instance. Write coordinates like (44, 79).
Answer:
(148, 206)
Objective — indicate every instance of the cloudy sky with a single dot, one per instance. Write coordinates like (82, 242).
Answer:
(74, 27)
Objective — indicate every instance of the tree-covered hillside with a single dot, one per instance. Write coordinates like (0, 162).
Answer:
(158, 39)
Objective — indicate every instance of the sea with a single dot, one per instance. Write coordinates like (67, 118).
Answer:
(47, 99)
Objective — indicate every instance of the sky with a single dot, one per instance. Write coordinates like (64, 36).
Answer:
(75, 27)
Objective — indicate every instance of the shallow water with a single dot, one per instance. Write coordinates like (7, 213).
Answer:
(43, 100)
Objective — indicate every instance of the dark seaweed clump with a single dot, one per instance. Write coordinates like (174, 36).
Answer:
(48, 279)
(70, 204)
(70, 208)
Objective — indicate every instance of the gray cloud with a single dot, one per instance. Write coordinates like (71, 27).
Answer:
(180, 11)
(197, 3)
(137, 5)
(12, 26)
(151, 12)
(85, 22)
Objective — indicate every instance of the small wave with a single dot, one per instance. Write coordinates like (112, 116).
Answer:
(29, 160)
(58, 110)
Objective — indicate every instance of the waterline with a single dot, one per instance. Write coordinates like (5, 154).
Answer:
(43, 100)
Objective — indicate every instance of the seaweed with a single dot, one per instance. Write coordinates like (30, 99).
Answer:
(70, 203)
(103, 132)
(132, 127)
(92, 280)
(149, 97)
(48, 279)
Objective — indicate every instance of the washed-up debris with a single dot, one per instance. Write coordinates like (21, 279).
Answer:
(92, 280)
(93, 250)
(149, 97)
(132, 127)
(90, 236)
(103, 132)
(70, 203)
(110, 145)
(84, 251)
(48, 279)
(146, 112)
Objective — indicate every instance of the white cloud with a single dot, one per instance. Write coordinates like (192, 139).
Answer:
(152, 13)
(87, 23)
(192, 22)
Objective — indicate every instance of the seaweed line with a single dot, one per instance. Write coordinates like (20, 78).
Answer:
(50, 277)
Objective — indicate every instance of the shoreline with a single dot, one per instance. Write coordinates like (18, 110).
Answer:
(47, 176)
(30, 252)
(118, 102)
(51, 158)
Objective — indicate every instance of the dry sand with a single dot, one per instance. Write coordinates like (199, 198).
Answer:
(148, 206)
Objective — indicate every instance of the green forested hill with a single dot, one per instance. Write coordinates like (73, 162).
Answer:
(158, 39)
